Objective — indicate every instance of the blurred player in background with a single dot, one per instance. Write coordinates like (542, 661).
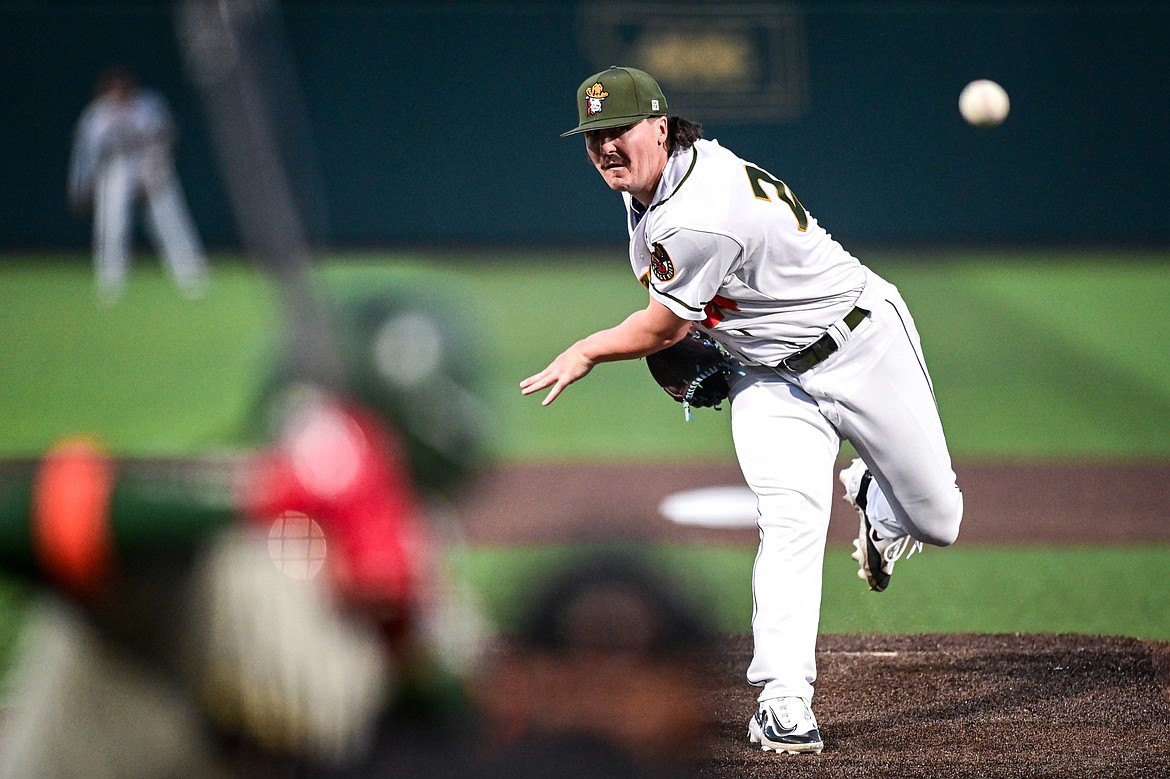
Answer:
(123, 154)
(829, 352)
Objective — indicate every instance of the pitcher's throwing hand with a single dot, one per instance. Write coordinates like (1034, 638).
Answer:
(569, 366)
(643, 332)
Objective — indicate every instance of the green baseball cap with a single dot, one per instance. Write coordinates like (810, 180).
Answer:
(615, 97)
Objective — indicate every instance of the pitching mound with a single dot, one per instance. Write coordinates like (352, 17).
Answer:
(963, 706)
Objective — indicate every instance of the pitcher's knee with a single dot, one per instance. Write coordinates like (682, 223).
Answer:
(936, 521)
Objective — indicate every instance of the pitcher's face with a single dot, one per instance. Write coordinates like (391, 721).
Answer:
(630, 158)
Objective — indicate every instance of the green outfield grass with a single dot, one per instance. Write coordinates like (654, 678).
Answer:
(1034, 356)
(152, 375)
(1045, 356)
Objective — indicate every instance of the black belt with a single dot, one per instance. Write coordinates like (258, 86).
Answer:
(820, 349)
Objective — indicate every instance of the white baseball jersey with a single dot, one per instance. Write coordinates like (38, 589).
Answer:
(140, 131)
(728, 245)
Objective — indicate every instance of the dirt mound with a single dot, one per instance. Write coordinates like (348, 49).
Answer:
(959, 706)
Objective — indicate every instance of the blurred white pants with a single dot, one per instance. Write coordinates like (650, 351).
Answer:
(168, 222)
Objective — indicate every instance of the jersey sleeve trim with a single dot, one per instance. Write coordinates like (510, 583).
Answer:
(673, 299)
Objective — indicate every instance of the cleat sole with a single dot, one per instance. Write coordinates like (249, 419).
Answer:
(790, 751)
(811, 749)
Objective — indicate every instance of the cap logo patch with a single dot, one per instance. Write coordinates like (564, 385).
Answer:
(593, 97)
(653, 105)
(660, 263)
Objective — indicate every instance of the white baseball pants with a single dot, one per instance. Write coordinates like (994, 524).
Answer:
(875, 392)
(168, 222)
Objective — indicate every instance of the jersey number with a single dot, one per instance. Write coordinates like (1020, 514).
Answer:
(756, 176)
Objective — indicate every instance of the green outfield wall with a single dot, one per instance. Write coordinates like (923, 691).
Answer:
(438, 122)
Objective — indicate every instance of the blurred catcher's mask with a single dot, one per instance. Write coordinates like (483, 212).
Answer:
(410, 360)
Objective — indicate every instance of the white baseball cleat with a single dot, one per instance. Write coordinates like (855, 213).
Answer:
(875, 555)
(785, 725)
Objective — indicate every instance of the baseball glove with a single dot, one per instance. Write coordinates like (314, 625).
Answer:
(696, 371)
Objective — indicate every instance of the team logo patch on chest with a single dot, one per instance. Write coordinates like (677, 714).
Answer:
(660, 263)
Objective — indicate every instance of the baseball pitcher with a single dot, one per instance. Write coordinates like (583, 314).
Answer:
(826, 350)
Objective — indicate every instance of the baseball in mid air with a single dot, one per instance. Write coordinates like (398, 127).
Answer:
(984, 103)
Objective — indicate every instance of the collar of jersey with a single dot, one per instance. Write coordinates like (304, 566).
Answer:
(672, 169)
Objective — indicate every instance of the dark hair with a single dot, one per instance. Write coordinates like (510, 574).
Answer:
(681, 133)
(115, 76)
